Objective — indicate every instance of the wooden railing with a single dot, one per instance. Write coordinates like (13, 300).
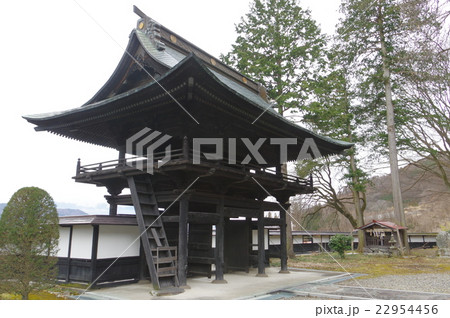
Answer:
(131, 162)
(179, 155)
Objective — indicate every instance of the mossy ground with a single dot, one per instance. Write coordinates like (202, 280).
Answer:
(41, 295)
(57, 292)
(420, 261)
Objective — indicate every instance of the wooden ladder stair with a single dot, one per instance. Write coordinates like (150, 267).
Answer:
(161, 258)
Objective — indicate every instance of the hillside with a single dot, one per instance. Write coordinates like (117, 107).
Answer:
(425, 197)
(61, 212)
(70, 212)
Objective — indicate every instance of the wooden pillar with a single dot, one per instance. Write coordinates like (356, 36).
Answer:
(113, 209)
(261, 251)
(185, 148)
(250, 234)
(183, 242)
(121, 159)
(114, 190)
(69, 252)
(220, 237)
(283, 243)
(78, 167)
(142, 263)
(94, 251)
(400, 240)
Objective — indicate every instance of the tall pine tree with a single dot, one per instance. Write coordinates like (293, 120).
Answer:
(373, 34)
(281, 46)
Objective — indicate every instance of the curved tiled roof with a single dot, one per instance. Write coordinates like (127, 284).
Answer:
(171, 58)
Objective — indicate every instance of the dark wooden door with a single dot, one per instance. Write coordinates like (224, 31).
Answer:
(200, 251)
(236, 246)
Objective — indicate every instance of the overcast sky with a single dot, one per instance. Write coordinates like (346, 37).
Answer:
(55, 57)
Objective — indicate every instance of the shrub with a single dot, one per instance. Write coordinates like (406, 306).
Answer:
(28, 242)
(340, 243)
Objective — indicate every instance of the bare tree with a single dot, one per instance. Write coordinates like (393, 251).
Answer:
(425, 128)
(331, 192)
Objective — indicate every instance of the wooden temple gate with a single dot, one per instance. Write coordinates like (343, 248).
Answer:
(170, 87)
(186, 216)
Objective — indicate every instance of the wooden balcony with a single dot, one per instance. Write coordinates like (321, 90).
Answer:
(102, 173)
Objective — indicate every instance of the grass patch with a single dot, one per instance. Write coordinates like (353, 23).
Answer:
(57, 292)
(419, 262)
(74, 285)
(41, 295)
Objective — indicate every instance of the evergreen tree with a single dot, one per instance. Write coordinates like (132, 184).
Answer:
(280, 46)
(373, 34)
(29, 236)
(388, 43)
(335, 112)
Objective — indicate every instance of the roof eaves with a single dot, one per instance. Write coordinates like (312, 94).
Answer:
(259, 102)
(53, 115)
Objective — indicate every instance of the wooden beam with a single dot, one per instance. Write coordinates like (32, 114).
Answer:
(202, 197)
(183, 241)
(68, 253)
(94, 251)
(194, 217)
(400, 241)
(203, 218)
(283, 242)
(139, 12)
(232, 212)
(270, 206)
(272, 221)
(219, 250)
(113, 209)
(261, 251)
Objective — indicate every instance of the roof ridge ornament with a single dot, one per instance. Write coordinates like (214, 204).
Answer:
(150, 27)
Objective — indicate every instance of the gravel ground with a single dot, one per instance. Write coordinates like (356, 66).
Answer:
(433, 283)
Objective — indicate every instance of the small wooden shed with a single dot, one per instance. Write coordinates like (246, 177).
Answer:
(378, 235)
